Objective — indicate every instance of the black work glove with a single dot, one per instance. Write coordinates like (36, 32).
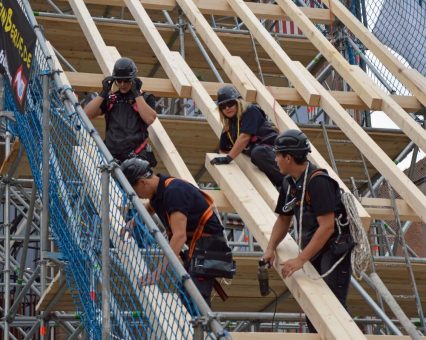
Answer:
(106, 86)
(221, 160)
(136, 87)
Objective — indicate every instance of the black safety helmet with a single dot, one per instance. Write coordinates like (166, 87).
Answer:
(124, 68)
(136, 168)
(293, 142)
(226, 94)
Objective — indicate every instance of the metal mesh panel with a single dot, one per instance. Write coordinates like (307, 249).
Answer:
(159, 311)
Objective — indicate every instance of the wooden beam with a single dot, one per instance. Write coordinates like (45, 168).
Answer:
(221, 7)
(402, 184)
(218, 49)
(381, 209)
(313, 296)
(411, 78)
(159, 47)
(274, 50)
(161, 141)
(365, 91)
(371, 94)
(283, 122)
(90, 82)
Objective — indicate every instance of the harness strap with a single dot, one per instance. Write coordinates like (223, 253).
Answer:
(314, 173)
(198, 232)
(141, 147)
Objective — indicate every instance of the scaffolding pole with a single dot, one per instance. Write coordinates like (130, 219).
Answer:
(44, 228)
(6, 226)
(106, 266)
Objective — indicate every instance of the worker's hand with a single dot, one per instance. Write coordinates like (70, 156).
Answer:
(106, 86)
(269, 257)
(150, 278)
(136, 87)
(221, 160)
(290, 266)
(126, 232)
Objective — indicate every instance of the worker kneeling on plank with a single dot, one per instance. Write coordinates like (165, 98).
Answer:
(314, 198)
(128, 113)
(190, 218)
(246, 130)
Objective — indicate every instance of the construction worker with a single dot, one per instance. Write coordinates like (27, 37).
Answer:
(128, 113)
(188, 216)
(246, 129)
(314, 198)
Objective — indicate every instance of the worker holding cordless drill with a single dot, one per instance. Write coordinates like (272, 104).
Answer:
(314, 198)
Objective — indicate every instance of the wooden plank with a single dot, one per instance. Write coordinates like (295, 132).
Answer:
(274, 50)
(283, 121)
(50, 292)
(218, 49)
(411, 78)
(365, 90)
(161, 142)
(407, 124)
(313, 296)
(371, 94)
(381, 209)
(91, 82)
(159, 47)
(221, 7)
(402, 184)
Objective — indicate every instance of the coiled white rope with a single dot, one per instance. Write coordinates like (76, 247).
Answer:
(361, 257)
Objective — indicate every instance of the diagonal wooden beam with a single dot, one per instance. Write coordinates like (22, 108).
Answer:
(402, 184)
(281, 59)
(106, 57)
(411, 78)
(283, 121)
(371, 94)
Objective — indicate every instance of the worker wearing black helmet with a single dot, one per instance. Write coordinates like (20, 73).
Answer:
(314, 198)
(128, 113)
(190, 218)
(246, 129)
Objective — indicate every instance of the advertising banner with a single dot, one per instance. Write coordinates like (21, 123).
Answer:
(17, 44)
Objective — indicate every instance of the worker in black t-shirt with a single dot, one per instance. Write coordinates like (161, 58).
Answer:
(128, 113)
(184, 211)
(246, 129)
(312, 196)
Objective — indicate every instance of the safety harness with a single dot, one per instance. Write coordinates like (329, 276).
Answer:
(112, 101)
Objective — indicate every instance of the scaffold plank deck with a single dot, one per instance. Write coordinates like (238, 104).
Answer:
(298, 336)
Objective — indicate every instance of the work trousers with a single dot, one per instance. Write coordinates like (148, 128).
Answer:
(264, 158)
(338, 280)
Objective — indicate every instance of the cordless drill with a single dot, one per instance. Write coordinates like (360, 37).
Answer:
(262, 276)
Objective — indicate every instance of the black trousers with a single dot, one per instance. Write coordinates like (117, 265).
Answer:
(338, 280)
(264, 158)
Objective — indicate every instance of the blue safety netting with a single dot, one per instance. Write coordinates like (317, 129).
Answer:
(159, 311)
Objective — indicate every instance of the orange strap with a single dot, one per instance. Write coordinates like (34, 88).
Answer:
(314, 173)
(198, 233)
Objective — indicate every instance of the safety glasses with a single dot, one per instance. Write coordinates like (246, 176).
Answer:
(223, 106)
(123, 81)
